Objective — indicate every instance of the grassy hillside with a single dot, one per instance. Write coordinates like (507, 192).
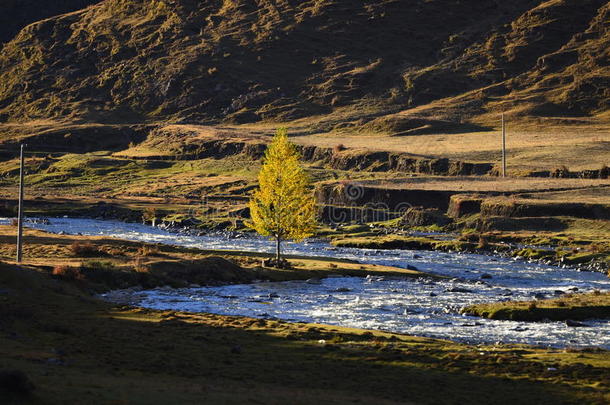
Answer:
(169, 104)
(432, 65)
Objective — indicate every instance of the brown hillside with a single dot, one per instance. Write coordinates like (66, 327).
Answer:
(430, 63)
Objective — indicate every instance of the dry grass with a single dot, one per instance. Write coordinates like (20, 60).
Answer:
(543, 147)
(140, 265)
(84, 249)
(594, 195)
(576, 148)
(147, 251)
(586, 188)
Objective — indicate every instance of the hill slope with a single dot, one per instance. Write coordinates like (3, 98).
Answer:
(432, 62)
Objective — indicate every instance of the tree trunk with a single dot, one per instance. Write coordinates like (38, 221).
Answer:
(277, 251)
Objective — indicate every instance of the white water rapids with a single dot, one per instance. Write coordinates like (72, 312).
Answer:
(419, 307)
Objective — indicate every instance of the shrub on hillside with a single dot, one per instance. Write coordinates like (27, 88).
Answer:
(84, 249)
(561, 172)
(483, 242)
(8, 210)
(107, 274)
(149, 215)
(68, 273)
(139, 265)
(339, 148)
(146, 251)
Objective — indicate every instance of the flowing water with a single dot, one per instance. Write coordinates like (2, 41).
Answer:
(421, 307)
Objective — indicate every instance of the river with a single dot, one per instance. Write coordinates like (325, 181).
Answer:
(422, 307)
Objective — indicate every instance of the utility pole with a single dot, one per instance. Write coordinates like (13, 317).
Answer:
(20, 214)
(503, 146)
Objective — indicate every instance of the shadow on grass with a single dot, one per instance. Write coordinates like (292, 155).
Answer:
(77, 349)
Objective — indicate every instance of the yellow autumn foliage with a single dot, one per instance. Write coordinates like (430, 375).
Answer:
(283, 207)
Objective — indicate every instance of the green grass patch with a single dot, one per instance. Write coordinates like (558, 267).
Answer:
(567, 307)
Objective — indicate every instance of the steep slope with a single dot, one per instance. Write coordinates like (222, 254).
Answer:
(442, 62)
(16, 14)
(554, 59)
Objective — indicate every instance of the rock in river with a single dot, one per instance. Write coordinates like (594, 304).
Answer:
(575, 324)
(458, 290)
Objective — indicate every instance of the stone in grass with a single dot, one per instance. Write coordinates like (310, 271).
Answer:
(15, 382)
(273, 263)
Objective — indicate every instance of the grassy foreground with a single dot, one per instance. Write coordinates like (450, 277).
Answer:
(73, 348)
(594, 305)
(76, 349)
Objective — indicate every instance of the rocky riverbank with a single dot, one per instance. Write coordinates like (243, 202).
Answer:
(482, 244)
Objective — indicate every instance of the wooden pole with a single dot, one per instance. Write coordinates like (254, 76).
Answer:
(20, 214)
(503, 146)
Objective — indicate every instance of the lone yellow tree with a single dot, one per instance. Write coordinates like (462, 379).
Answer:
(283, 207)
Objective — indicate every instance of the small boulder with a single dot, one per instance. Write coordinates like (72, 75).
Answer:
(458, 290)
(273, 263)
